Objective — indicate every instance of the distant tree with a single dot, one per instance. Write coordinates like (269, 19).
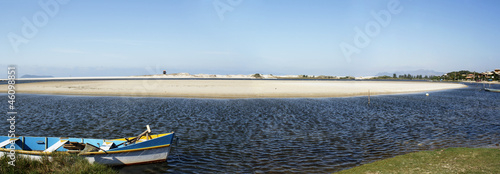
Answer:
(394, 75)
(347, 77)
(257, 75)
(437, 77)
(384, 77)
(325, 77)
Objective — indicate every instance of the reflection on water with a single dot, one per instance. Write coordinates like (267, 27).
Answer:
(273, 135)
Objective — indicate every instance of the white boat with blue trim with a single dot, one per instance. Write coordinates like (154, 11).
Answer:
(144, 148)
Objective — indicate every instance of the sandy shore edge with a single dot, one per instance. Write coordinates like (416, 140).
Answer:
(230, 88)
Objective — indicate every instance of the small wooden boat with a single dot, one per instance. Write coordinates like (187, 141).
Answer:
(492, 90)
(144, 148)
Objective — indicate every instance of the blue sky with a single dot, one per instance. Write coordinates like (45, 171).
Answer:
(120, 38)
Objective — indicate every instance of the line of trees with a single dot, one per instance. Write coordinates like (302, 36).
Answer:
(468, 75)
(451, 76)
(407, 77)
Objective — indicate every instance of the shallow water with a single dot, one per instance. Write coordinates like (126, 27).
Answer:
(272, 135)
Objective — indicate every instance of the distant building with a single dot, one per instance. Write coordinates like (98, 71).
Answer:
(487, 74)
(469, 76)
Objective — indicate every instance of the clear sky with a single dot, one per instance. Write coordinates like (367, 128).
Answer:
(318, 37)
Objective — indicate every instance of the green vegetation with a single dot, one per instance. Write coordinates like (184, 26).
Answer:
(384, 77)
(451, 76)
(462, 75)
(257, 75)
(408, 77)
(347, 77)
(326, 77)
(60, 163)
(468, 75)
(452, 160)
(310, 77)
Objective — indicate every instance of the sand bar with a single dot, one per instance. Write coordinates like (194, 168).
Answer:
(229, 88)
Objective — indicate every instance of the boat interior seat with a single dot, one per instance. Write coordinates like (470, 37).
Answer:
(56, 146)
(8, 141)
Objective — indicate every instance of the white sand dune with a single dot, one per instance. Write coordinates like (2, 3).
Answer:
(229, 88)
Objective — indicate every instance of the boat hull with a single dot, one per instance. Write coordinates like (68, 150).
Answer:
(116, 159)
(492, 90)
(131, 158)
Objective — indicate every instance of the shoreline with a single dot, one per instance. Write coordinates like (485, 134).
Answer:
(447, 160)
(230, 89)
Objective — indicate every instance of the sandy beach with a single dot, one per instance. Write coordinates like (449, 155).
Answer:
(229, 88)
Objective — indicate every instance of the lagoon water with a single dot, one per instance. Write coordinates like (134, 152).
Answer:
(272, 135)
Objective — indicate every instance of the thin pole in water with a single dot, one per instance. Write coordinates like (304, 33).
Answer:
(368, 96)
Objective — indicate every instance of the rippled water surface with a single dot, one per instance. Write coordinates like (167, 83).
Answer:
(273, 135)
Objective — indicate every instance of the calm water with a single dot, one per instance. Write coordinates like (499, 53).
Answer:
(273, 135)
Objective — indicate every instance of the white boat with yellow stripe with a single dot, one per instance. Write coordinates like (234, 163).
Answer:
(144, 148)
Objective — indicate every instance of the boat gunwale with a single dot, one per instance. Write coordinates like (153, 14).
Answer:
(36, 152)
